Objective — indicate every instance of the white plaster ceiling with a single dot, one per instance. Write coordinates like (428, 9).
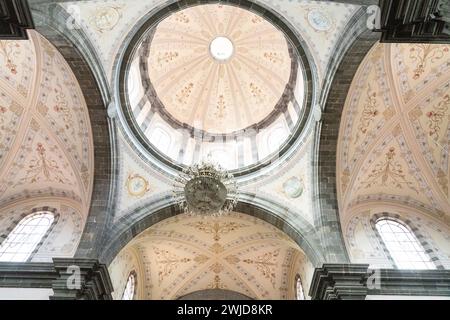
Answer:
(139, 184)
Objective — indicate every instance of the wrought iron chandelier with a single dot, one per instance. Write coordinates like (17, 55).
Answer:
(205, 189)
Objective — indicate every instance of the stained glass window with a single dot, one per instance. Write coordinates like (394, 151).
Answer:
(403, 245)
(128, 293)
(24, 238)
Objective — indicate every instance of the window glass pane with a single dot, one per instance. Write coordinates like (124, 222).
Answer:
(22, 241)
(161, 139)
(128, 294)
(299, 289)
(403, 245)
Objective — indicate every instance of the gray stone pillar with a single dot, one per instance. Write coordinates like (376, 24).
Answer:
(340, 282)
(81, 279)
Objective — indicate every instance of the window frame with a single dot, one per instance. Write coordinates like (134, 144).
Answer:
(413, 231)
(298, 281)
(135, 283)
(44, 237)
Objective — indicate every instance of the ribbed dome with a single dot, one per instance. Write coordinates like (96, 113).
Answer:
(218, 68)
(215, 80)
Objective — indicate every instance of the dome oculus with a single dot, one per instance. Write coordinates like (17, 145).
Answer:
(221, 48)
(216, 80)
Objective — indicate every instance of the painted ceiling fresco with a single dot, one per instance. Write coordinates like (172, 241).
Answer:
(185, 254)
(108, 22)
(139, 184)
(214, 95)
(45, 137)
(395, 131)
(176, 86)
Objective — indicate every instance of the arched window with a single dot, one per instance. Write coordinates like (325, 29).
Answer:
(23, 240)
(403, 245)
(299, 295)
(128, 293)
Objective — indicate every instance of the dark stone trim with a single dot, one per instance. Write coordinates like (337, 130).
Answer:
(27, 275)
(15, 19)
(52, 19)
(95, 283)
(350, 51)
(414, 21)
(357, 281)
(153, 17)
(413, 283)
(356, 2)
(94, 280)
(339, 282)
(93, 88)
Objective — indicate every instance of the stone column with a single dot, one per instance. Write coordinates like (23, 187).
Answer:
(81, 279)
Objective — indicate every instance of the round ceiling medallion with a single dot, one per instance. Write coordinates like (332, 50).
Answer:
(221, 48)
(319, 20)
(293, 187)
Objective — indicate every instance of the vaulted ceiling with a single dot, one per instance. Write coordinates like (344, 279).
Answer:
(236, 252)
(213, 95)
(395, 130)
(45, 134)
(108, 24)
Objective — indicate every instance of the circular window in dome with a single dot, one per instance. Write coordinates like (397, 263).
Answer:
(215, 81)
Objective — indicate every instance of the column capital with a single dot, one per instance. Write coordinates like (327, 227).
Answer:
(339, 282)
(81, 279)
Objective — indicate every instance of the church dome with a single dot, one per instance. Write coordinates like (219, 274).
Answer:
(215, 81)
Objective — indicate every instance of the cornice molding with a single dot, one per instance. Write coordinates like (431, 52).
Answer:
(15, 19)
(414, 21)
(357, 281)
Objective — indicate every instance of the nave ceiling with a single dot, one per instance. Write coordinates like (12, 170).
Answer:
(185, 254)
(45, 134)
(393, 145)
(395, 131)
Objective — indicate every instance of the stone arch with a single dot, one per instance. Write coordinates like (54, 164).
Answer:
(82, 60)
(125, 231)
(350, 53)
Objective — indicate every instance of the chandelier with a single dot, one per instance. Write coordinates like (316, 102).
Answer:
(205, 189)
